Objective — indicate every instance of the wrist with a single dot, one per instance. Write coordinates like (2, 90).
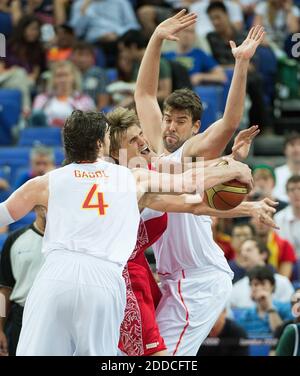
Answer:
(158, 36)
(249, 208)
(243, 64)
(271, 310)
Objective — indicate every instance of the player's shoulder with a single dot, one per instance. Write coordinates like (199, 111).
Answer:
(116, 168)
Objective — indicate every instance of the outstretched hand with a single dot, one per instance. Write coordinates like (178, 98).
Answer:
(243, 141)
(247, 49)
(173, 25)
(264, 211)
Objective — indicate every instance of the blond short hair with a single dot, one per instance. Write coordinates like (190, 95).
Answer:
(120, 120)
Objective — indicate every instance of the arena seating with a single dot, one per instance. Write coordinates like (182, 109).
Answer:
(10, 111)
(44, 135)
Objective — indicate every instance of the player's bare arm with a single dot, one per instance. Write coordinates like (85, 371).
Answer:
(213, 141)
(195, 179)
(149, 182)
(240, 151)
(23, 200)
(145, 95)
(263, 210)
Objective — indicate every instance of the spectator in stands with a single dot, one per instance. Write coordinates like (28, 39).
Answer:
(295, 308)
(224, 32)
(3, 230)
(222, 239)
(228, 333)
(264, 183)
(94, 79)
(61, 11)
(135, 44)
(103, 22)
(268, 314)
(43, 9)
(64, 95)
(282, 253)
(65, 41)
(289, 343)
(121, 90)
(254, 253)
(20, 262)
(41, 161)
(4, 187)
(248, 8)
(10, 14)
(16, 78)
(288, 220)
(240, 233)
(292, 166)
(279, 18)
(204, 24)
(25, 50)
(151, 13)
(202, 68)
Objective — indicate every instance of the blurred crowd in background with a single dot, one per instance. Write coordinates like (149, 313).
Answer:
(63, 55)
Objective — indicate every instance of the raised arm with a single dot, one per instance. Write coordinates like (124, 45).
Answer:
(23, 200)
(213, 141)
(145, 95)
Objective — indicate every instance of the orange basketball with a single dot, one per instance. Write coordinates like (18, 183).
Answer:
(226, 196)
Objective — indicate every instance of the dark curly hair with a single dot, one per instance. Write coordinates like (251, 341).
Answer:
(81, 132)
(185, 99)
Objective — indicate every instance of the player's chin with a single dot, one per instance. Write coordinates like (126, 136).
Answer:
(171, 146)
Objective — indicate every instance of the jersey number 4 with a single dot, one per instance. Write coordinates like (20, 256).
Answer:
(98, 198)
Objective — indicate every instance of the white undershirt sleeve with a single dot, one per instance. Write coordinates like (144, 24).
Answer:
(5, 217)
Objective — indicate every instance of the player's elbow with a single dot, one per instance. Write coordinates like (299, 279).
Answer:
(232, 123)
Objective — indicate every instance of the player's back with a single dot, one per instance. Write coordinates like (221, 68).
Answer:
(92, 209)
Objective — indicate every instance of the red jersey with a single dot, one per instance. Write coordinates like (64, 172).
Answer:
(139, 334)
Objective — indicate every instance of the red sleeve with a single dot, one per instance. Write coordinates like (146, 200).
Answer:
(287, 252)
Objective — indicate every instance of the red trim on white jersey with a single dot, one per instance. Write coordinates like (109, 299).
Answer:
(187, 314)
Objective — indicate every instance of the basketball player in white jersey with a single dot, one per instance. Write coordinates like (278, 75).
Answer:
(77, 301)
(196, 279)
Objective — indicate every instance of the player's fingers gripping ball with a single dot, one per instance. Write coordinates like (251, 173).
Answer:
(226, 196)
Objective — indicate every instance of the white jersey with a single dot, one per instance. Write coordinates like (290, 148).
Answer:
(92, 209)
(188, 241)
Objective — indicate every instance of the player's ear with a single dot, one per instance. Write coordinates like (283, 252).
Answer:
(114, 155)
(100, 147)
(196, 127)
